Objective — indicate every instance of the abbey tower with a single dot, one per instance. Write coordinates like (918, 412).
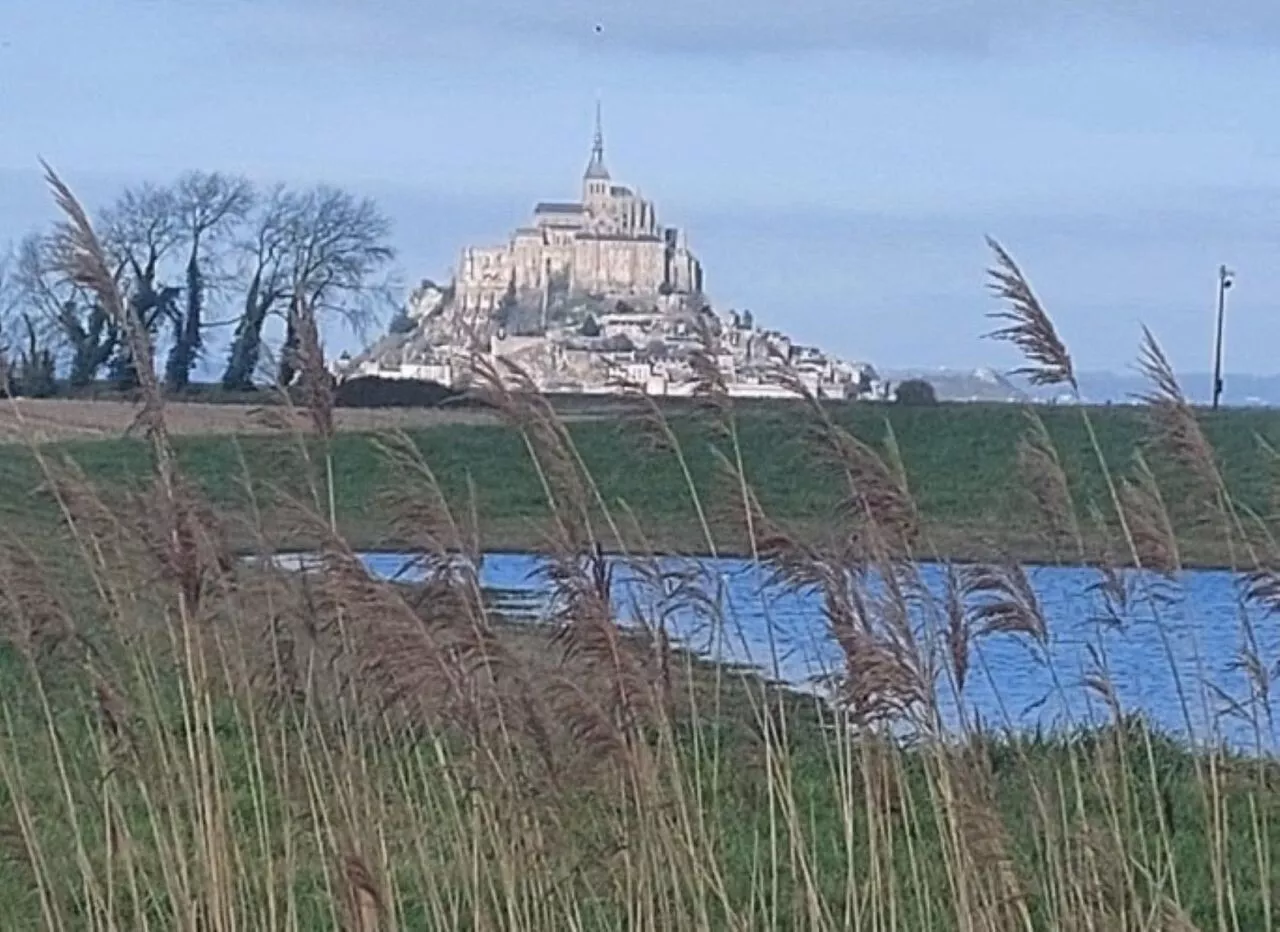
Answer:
(609, 243)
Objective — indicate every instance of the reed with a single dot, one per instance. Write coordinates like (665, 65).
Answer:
(195, 741)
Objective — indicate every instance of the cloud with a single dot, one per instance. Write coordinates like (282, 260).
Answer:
(965, 27)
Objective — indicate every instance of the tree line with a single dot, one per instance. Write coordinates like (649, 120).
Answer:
(207, 252)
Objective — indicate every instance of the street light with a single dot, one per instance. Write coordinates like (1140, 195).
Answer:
(1226, 278)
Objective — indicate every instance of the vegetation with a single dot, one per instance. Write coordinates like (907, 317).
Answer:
(189, 741)
(207, 251)
(915, 392)
(962, 464)
(401, 323)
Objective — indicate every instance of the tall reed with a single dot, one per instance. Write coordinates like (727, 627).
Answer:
(194, 740)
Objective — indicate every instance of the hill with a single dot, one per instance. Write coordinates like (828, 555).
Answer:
(961, 463)
(1241, 390)
(963, 384)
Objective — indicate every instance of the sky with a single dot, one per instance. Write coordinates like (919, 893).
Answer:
(837, 164)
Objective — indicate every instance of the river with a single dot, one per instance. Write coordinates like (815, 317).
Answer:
(1174, 654)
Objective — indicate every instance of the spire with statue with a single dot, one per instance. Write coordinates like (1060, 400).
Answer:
(596, 170)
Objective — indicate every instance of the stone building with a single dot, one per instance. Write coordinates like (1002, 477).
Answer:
(608, 244)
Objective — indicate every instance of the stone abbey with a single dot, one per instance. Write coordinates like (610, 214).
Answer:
(608, 244)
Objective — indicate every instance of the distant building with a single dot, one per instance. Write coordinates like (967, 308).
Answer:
(623, 308)
(610, 243)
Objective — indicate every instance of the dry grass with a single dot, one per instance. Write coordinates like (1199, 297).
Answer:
(54, 419)
(189, 742)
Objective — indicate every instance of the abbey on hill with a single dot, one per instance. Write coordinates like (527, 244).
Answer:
(610, 243)
(596, 296)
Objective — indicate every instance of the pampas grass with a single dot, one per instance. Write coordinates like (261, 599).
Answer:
(1027, 325)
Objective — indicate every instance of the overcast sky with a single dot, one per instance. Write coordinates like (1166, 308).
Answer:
(836, 162)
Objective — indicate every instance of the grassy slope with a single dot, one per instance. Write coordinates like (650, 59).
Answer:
(960, 460)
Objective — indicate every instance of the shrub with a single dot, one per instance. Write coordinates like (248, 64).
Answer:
(370, 391)
(915, 392)
(35, 376)
(31, 373)
(401, 323)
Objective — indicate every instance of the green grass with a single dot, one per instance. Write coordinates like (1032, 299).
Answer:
(844, 829)
(960, 461)
(192, 742)
(737, 805)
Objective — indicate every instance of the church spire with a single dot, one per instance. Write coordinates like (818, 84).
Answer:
(597, 148)
(596, 168)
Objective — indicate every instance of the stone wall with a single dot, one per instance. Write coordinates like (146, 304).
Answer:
(604, 265)
(610, 243)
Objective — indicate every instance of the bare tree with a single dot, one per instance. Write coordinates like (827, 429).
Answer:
(28, 364)
(8, 307)
(64, 314)
(35, 367)
(265, 252)
(342, 244)
(8, 296)
(321, 253)
(210, 208)
(139, 231)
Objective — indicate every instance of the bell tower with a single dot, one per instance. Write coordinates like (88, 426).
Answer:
(595, 180)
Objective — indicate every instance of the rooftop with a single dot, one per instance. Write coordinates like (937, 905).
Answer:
(618, 237)
(558, 207)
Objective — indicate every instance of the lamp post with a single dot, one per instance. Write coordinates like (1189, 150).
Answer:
(1226, 278)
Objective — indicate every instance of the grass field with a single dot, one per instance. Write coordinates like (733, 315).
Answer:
(192, 741)
(51, 420)
(961, 462)
(247, 749)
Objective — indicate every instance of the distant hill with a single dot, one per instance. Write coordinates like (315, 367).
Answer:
(1238, 390)
(962, 385)
(986, 384)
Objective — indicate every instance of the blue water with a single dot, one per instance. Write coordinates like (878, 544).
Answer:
(1172, 653)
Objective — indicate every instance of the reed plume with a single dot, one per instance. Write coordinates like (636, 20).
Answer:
(878, 504)
(958, 633)
(1002, 601)
(1175, 431)
(421, 518)
(1027, 325)
(1154, 540)
(79, 255)
(314, 378)
(364, 902)
(36, 619)
(511, 391)
(1046, 481)
(711, 384)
